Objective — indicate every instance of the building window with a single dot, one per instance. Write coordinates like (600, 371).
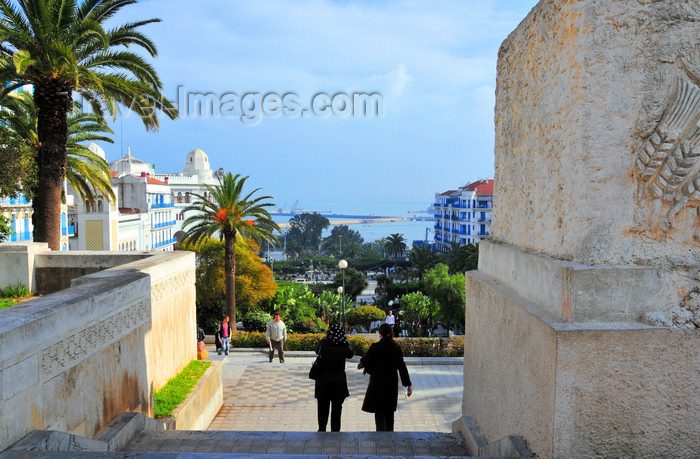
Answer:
(99, 205)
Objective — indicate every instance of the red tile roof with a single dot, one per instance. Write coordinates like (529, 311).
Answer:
(113, 173)
(156, 181)
(447, 193)
(485, 189)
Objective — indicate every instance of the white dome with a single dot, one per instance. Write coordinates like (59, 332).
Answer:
(197, 163)
(93, 147)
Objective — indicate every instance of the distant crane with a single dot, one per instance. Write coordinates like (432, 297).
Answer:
(295, 207)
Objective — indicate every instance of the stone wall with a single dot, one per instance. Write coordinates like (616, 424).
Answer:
(583, 86)
(73, 360)
(571, 390)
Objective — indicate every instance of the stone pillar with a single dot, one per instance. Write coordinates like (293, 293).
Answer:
(17, 261)
(582, 320)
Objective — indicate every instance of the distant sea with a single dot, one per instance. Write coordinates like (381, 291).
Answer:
(411, 230)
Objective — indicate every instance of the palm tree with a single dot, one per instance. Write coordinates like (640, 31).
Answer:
(230, 213)
(86, 172)
(460, 258)
(61, 47)
(395, 245)
(423, 258)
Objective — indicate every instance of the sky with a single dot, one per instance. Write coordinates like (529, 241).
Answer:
(280, 74)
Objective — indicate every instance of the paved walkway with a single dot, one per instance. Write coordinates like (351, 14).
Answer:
(274, 397)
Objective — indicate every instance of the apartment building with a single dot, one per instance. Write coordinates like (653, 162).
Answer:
(463, 215)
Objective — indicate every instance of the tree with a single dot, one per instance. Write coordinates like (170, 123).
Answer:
(307, 229)
(230, 213)
(61, 47)
(355, 282)
(17, 167)
(5, 229)
(460, 258)
(86, 172)
(422, 258)
(395, 245)
(254, 282)
(418, 311)
(298, 308)
(449, 293)
(341, 238)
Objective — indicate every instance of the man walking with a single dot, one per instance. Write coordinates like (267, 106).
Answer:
(276, 336)
(391, 320)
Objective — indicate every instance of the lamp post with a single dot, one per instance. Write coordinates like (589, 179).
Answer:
(342, 264)
(341, 317)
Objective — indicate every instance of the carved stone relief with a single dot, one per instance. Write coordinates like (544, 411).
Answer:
(668, 163)
(74, 349)
(172, 285)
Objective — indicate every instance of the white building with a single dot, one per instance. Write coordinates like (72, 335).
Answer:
(463, 215)
(196, 174)
(19, 212)
(143, 217)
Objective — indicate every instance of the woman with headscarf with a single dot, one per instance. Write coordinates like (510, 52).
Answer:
(382, 361)
(332, 385)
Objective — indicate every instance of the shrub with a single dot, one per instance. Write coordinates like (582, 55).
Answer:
(256, 320)
(248, 339)
(363, 315)
(15, 291)
(311, 325)
(421, 347)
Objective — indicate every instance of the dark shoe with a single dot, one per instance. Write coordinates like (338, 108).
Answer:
(219, 352)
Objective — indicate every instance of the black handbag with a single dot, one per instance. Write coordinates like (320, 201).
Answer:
(315, 371)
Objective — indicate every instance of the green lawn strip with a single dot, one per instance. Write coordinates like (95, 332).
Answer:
(6, 303)
(176, 390)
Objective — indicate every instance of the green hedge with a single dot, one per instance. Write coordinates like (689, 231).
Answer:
(420, 347)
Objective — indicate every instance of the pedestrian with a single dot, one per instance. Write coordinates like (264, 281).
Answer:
(332, 386)
(217, 339)
(390, 320)
(200, 334)
(225, 334)
(382, 362)
(276, 335)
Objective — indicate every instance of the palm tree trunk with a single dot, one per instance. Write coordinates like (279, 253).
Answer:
(53, 101)
(230, 272)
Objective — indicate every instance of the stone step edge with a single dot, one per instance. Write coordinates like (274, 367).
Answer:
(312, 354)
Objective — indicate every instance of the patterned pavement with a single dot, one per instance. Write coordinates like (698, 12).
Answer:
(274, 397)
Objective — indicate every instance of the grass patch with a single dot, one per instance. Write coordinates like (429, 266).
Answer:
(6, 303)
(177, 389)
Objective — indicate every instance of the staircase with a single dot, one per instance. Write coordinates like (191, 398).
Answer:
(347, 444)
(135, 435)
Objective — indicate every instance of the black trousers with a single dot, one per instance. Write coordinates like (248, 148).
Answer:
(384, 420)
(324, 406)
(276, 345)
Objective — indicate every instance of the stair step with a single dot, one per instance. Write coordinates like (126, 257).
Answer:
(387, 444)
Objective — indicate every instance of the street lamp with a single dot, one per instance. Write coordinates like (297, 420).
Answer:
(342, 305)
(342, 264)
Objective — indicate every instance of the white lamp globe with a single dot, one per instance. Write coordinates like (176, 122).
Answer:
(340, 289)
(342, 264)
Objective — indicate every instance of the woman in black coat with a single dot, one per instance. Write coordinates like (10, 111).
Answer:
(332, 385)
(382, 361)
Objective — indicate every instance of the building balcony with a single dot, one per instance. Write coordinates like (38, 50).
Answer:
(162, 205)
(164, 243)
(484, 233)
(164, 224)
(484, 220)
